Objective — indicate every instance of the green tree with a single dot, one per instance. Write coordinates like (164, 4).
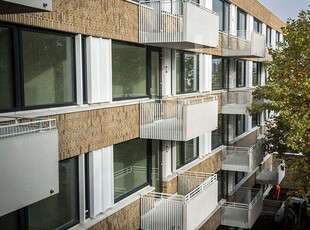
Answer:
(287, 93)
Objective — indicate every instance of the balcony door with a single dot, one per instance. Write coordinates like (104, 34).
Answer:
(154, 72)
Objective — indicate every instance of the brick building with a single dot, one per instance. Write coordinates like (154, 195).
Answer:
(122, 114)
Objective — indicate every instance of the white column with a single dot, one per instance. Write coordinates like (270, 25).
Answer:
(263, 75)
(233, 19)
(232, 73)
(82, 200)
(249, 78)
(99, 69)
(205, 72)
(173, 72)
(174, 159)
(273, 38)
(101, 180)
(207, 3)
(166, 72)
(166, 158)
(248, 122)
(249, 25)
(79, 69)
(231, 181)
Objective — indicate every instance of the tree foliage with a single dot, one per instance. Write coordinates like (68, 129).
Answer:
(287, 90)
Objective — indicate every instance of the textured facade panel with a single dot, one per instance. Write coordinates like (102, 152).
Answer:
(86, 131)
(213, 222)
(127, 218)
(259, 11)
(210, 165)
(171, 186)
(116, 19)
(247, 141)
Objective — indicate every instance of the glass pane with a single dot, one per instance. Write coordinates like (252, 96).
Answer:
(191, 150)
(191, 70)
(155, 74)
(62, 209)
(179, 153)
(240, 73)
(255, 74)
(218, 7)
(128, 71)
(10, 221)
(217, 73)
(217, 134)
(178, 61)
(226, 17)
(241, 24)
(48, 65)
(130, 166)
(240, 126)
(6, 69)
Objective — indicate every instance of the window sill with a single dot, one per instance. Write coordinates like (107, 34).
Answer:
(117, 207)
(133, 2)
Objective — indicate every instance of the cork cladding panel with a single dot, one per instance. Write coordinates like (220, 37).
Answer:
(127, 218)
(116, 19)
(86, 131)
(259, 11)
(213, 222)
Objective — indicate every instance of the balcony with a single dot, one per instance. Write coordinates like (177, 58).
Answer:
(196, 191)
(245, 210)
(25, 6)
(28, 162)
(177, 24)
(272, 174)
(178, 120)
(236, 102)
(243, 44)
(241, 159)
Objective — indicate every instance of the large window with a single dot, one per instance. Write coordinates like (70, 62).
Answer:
(241, 24)
(130, 167)
(219, 73)
(256, 77)
(257, 26)
(240, 124)
(222, 8)
(60, 211)
(129, 71)
(240, 73)
(217, 135)
(187, 72)
(255, 120)
(42, 76)
(186, 152)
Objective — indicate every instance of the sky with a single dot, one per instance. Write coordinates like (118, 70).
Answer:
(285, 9)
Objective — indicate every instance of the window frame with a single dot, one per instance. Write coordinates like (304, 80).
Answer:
(259, 25)
(183, 161)
(182, 72)
(18, 69)
(241, 32)
(241, 118)
(224, 4)
(258, 73)
(238, 83)
(268, 36)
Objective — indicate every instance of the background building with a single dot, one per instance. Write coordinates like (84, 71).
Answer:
(124, 115)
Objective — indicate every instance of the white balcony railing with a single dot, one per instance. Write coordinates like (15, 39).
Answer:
(177, 23)
(28, 161)
(241, 159)
(245, 210)
(236, 101)
(179, 211)
(273, 175)
(243, 43)
(22, 126)
(178, 120)
(25, 6)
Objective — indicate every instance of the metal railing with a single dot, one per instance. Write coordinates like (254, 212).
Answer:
(243, 43)
(24, 125)
(245, 210)
(167, 211)
(163, 21)
(242, 159)
(164, 119)
(274, 174)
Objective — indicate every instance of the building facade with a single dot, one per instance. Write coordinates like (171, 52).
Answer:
(122, 114)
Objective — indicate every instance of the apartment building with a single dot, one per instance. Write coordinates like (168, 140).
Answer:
(122, 114)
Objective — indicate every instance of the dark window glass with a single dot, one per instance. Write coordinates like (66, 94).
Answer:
(6, 69)
(48, 66)
(129, 77)
(217, 135)
(255, 120)
(217, 73)
(61, 210)
(130, 167)
(186, 152)
(257, 25)
(238, 177)
(187, 72)
(241, 24)
(240, 124)
(277, 36)
(256, 73)
(240, 73)
(222, 8)
(10, 221)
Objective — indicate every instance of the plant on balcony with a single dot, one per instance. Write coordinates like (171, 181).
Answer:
(287, 93)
